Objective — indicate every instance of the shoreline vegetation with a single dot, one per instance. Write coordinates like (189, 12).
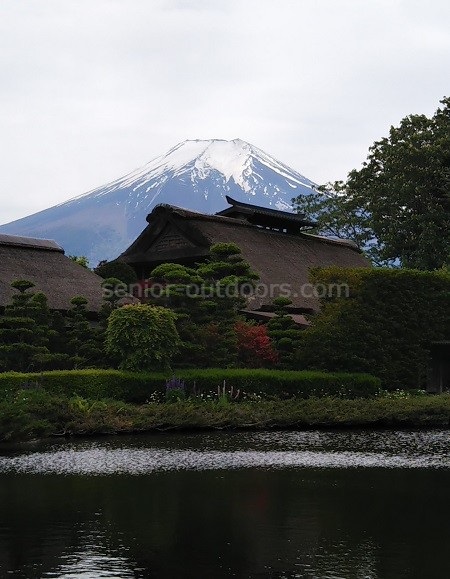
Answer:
(115, 376)
(65, 404)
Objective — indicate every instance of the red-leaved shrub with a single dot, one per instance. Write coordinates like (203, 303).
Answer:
(255, 348)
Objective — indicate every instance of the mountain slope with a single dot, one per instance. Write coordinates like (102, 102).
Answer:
(195, 174)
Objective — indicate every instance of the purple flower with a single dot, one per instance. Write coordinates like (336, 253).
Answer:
(174, 383)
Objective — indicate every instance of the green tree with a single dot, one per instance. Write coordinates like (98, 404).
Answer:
(228, 278)
(50, 332)
(384, 326)
(22, 338)
(57, 335)
(207, 300)
(84, 341)
(397, 206)
(142, 337)
(285, 334)
(114, 290)
(176, 287)
(338, 213)
(116, 269)
(81, 260)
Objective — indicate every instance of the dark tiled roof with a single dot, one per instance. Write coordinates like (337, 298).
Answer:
(299, 218)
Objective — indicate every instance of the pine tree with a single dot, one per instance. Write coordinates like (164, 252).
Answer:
(229, 279)
(207, 300)
(22, 339)
(84, 342)
(50, 332)
(285, 333)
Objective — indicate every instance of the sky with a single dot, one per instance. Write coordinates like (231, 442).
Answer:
(92, 89)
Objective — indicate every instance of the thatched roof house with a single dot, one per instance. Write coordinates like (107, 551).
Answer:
(43, 262)
(273, 242)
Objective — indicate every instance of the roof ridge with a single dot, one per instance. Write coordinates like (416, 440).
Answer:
(30, 242)
(190, 214)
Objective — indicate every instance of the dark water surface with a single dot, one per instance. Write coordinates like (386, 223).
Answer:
(313, 504)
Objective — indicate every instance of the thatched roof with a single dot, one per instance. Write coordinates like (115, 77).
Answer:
(43, 262)
(176, 234)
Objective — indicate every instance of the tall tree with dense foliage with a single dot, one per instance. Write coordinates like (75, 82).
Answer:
(285, 333)
(142, 337)
(397, 206)
(385, 326)
(22, 336)
(228, 279)
(84, 341)
(207, 300)
(116, 269)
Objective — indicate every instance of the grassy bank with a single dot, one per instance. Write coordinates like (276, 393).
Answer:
(33, 414)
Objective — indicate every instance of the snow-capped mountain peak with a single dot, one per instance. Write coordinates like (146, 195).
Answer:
(196, 174)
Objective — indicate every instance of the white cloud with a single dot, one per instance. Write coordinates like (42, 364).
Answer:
(90, 90)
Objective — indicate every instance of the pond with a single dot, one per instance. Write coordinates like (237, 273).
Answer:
(315, 504)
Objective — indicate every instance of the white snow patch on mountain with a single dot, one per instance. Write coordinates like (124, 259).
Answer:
(196, 174)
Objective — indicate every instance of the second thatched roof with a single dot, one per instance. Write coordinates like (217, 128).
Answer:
(43, 262)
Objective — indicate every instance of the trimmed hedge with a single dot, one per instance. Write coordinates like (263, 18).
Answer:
(137, 387)
(94, 384)
(285, 383)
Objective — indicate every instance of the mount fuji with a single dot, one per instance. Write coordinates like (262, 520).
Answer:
(195, 174)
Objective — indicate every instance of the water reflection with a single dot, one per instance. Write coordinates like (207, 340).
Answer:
(249, 450)
(281, 519)
(91, 563)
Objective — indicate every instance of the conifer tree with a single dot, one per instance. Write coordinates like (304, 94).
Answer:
(84, 341)
(50, 332)
(22, 338)
(285, 333)
(207, 300)
(116, 269)
(178, 290)
(113, 291)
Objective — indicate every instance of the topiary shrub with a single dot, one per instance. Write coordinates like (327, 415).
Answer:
(24, 329)
(142, 337)
(285, 334)
(117, 269)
